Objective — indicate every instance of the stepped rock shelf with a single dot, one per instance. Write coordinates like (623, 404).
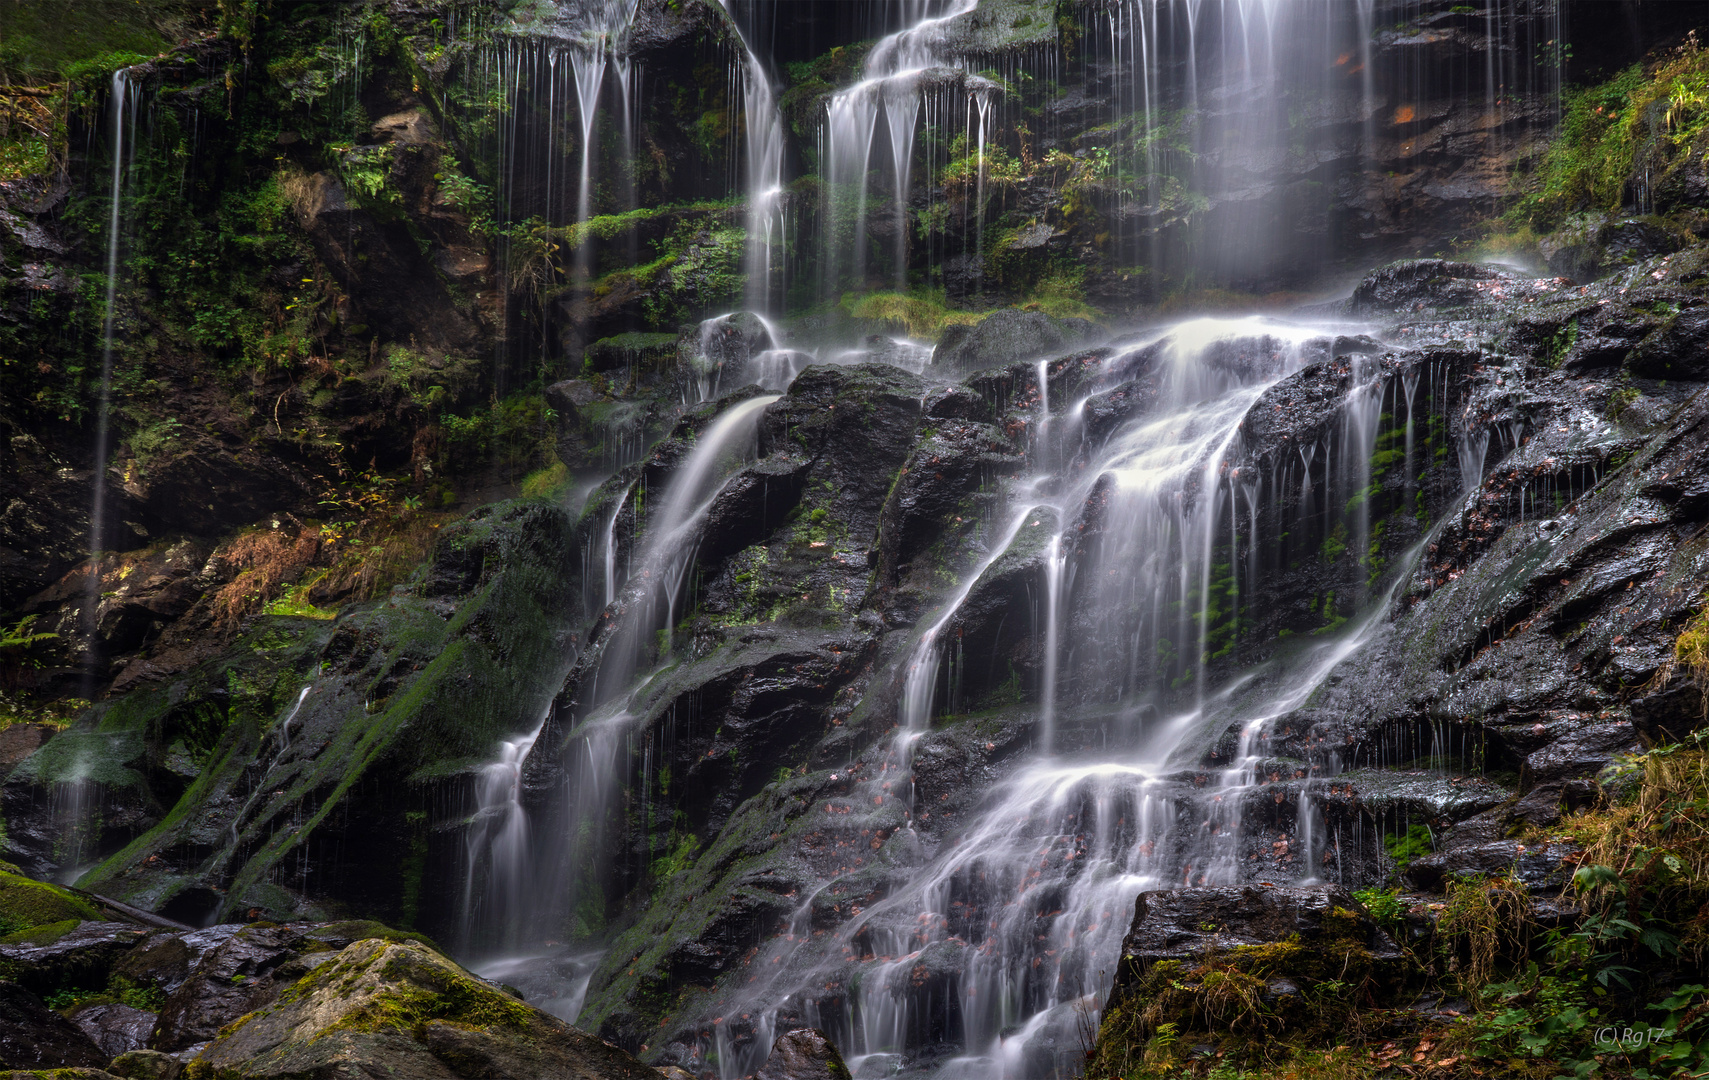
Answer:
(930, 539)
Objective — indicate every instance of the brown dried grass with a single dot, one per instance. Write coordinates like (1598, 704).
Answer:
(264, 561)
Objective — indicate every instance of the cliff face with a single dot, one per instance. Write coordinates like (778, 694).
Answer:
(357, 317)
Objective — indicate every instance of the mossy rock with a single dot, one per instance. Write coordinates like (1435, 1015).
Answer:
(342, 934)
(41, 935)
(1239, 969)
(404, 1010)
(27, 904)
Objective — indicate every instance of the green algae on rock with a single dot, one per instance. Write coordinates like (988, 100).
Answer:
(405, 1009)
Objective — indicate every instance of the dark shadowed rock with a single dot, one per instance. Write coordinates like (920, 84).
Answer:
(1005, 337)
(79, 954)
(957, 403)
(114, 1027)
(240, 975)
(1679, 349)
(1672, 714)
(1419, 284)
(1180, 924)
(804, 1054)
(146, 1065)
(32, 1036)
(1481, 845)
(1592, 246)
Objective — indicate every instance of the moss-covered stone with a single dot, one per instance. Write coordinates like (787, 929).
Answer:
(1196, 971)
(403, 695)
(27, 904)
(402, 1009)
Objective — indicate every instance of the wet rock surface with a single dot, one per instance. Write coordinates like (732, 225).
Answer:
(1004, 338)
(34, 1037)
(250, 997)
(257, 734)
(1551, 515)
(1532, 489)
(1185, 923)
(804, 1054)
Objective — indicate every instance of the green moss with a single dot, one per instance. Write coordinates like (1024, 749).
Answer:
(49, 40)
(1415, 843)
(411, 990)
(25, 904)
(1224, 999)
(1655, 121)
(922, 314)
(42, 935)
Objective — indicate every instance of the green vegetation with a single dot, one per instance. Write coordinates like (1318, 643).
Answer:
(1616, 991)
(1404, 847)
(1654, 120)
(47, 41)
(27, 904)
(1224, 998)
(923, 314)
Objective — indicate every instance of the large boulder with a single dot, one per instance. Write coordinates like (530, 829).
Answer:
(243, 973)
(1180, 924)
(69, 953)
(1421, 284)
(1005, 337)
(32, 1036)
(383, 1008)
(804, 1054)
(115, 1027)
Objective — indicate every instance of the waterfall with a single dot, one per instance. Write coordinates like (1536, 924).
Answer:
(527, 891)
(1141, 544)
(762, 136)
(497, 864)
(608, 545)
(596, 46)
(121, 109)
(892, 81)
(1029, 905)
(1472, 448)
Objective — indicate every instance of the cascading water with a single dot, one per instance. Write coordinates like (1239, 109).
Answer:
(901, 69)
(497, 842)
(1016, 922)
(521, 880)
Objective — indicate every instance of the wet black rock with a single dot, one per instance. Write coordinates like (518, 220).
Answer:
(956, 403)
(1421, 284)
(32, 1036)
(1482, 845)
(246, 971)
(938, 490)
(1672, 714)
(1678, 349)
(804, 1054)
(83, 955)
(1181, 924)
(115, 1027)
